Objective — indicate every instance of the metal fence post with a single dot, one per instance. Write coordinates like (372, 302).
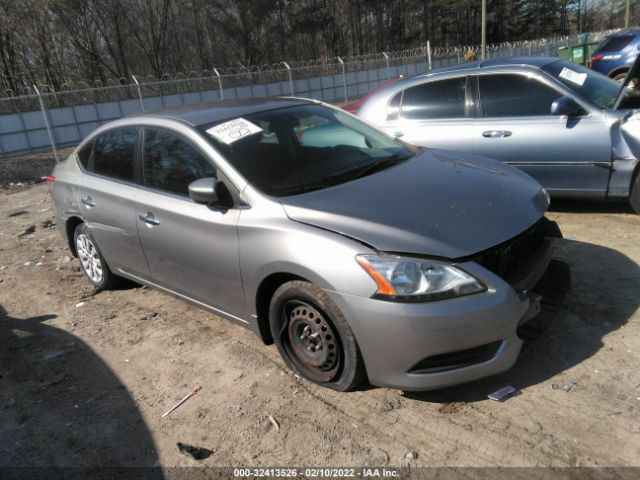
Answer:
(387, 60)
(344, 79)
(428, 55)
(46, 123)
(293, 92)
(139, 91)
(219, 83)
(529, 49)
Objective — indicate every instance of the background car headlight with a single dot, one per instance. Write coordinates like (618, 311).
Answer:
(415, 280)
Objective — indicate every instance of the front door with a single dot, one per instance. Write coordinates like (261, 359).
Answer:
(191, 249)
(567, 155)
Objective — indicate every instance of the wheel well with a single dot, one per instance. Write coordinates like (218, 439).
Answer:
(617, 71)
(263, 300)
(636, 173)
(70, 226)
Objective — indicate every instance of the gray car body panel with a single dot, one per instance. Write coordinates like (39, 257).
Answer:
(570, 157)
(438, 204)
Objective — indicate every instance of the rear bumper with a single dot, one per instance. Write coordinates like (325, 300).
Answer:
(433, 345)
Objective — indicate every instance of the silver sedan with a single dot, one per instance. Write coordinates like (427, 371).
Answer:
(357, 255)
(572, 129)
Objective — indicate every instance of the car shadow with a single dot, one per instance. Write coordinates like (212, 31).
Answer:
(63, 412)
(605, 294)
(590, 206)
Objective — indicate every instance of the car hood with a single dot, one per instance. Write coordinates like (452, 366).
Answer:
(438, 203)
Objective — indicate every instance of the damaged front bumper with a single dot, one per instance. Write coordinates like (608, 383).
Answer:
(437, 344)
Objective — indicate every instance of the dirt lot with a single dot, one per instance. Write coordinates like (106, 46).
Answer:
(85, 378)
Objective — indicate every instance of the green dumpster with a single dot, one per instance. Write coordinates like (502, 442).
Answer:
(581, 52)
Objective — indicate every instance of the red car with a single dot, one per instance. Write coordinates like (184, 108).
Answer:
(353, 107)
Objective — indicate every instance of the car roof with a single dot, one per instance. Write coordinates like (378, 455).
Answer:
(534, 62)
(214, 111)
(623, 33)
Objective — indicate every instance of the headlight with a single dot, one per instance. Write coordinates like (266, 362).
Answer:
(415, 280)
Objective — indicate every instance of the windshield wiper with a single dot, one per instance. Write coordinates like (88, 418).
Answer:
(363, 172)
(380, 165)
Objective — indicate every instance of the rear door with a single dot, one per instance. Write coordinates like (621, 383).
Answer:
(568, 156)
(433, 114)
(106, 193)
(192, 249)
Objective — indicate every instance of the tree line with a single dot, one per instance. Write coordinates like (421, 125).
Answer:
(54, 42)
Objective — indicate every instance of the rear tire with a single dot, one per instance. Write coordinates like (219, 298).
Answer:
(619, 77)
(313, 337)
(634, 198)
(93, 264)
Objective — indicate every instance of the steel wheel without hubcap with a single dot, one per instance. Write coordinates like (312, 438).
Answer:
(89, 258)
(310, 341)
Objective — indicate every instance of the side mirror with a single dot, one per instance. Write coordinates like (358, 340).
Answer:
(566, 106)
(204, 191)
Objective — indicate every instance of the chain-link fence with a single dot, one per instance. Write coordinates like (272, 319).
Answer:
(39, 128)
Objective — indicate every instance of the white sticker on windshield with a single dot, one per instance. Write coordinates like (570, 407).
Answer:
(233, 130)
(575, 77)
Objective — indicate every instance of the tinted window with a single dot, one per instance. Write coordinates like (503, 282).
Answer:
(442, 99)
(113, 154)
(614, 44)
(171, 164)
(84, 155)
(515, 96)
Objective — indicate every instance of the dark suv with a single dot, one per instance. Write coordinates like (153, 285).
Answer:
(616, 54)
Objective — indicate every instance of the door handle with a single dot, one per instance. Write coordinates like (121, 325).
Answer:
(398, 134)
(148, 218)
(88, 202)
(496, 133)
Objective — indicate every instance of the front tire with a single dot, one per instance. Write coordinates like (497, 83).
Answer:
(313, 337)
(93, 264)
(634, 199)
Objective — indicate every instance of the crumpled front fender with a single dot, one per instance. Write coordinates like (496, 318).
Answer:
(625, 140)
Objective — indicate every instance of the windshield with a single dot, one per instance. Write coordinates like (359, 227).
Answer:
(308, 147)
(595, 87)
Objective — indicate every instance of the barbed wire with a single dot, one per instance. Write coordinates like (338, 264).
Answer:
(278, 71)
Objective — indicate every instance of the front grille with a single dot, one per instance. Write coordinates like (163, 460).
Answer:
(457, 359)
(510, 258)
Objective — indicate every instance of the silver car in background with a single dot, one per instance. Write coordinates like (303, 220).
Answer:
(571, 128)
(359, 256)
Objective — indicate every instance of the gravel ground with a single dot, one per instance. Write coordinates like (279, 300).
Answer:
(85, 377)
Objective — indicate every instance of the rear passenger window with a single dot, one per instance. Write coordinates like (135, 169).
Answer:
(113, 154)
(84, 155)
(515, 96)
(440, 99)
(171, 164)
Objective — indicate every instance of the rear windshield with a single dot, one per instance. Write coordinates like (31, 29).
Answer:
(616, 43)
(308, 147)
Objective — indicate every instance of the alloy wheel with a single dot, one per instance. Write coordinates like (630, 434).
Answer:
(89, 258)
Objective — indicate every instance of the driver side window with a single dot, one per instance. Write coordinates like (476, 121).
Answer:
(171, 164)
(513, 95)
